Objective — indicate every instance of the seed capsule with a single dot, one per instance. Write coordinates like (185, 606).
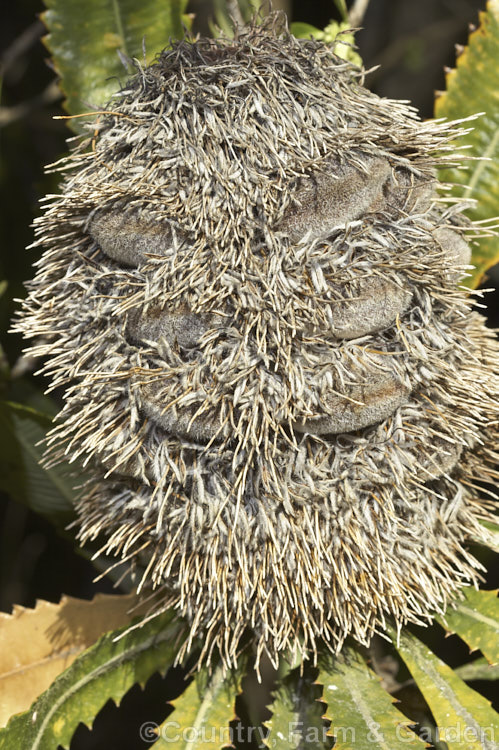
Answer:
(372, 305)
(128, 239)
(181, 328)
(358, 406)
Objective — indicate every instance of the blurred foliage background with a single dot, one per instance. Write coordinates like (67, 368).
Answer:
(411, 41)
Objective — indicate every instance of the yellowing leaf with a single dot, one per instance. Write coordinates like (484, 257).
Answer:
(38, 644)
(480, 669)
(203, 712)
(361, 712)
(474, 87)
(296, 714)
(476, 621)
(85, 38)
(107, 670)
(465, 719)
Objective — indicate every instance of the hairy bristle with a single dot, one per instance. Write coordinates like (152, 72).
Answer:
(249, 292)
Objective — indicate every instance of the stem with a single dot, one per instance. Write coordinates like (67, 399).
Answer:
(357, 13)
(119, 26)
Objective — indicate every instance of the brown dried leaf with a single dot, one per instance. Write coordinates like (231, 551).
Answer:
(38, 644)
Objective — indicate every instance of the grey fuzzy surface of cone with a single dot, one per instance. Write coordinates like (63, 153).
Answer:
(249, 291)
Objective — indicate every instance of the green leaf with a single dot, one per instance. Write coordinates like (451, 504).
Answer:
(480, 669)
(296, 714)
(37, 645)
(304, 30)
(476, 621)
(84, 39)
(465, 719)
(106, 670)
(493, 528)
(46, 491)
(203, 712)
(473, 87)
(344, 48)
(361, 712)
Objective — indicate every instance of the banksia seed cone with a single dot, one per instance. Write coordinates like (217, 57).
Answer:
(250, 292)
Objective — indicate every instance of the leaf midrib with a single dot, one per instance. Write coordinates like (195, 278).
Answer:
(55, 656)
(445, 688)
(478, 616)
(482, 164)
(207, 700)
(365, 711)
(94, 674)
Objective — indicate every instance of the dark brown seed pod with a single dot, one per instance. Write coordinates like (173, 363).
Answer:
(248, 289)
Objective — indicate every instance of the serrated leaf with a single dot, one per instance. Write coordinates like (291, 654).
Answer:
(473, 87)
(476, 621)
(203, 712)
(37, 644)
(46, 491)
(480, 669)
(361, 712)
(465, 719)
(106, 670)
(85, 38)
(296, 715)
